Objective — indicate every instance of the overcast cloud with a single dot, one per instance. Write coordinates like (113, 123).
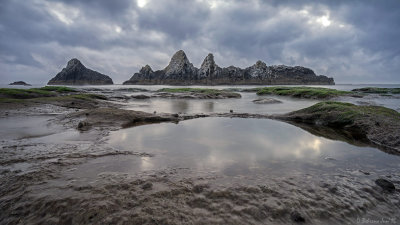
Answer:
(352, 41)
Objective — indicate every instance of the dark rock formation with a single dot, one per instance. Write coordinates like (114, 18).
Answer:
(385, 185)
(77, 74)
(19, 83)
(181, 72)
(140, 96)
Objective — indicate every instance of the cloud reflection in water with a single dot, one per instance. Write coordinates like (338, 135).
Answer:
(236, 146)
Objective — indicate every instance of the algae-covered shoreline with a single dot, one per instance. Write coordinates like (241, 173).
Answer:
(51, 190)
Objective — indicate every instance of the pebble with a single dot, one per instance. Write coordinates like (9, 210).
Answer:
(297, 217)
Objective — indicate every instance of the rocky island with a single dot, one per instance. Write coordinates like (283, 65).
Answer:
(77, 74)
(20, 83)
(181, 72)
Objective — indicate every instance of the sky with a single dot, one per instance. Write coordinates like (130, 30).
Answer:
(351, 41)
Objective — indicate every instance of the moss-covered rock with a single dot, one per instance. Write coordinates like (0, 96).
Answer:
(376, 90)
(47, 91)
(24, 93)
(378, 125)
(302, 92)
(60, 89)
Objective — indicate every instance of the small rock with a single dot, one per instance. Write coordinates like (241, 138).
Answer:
(329, 158)
(155, 112)
(385, 185)
(231, 111)
(175, 115)
(82, 125)
(199, 188)
(333, 190)
(297, 217)
(365, 172)
(140, 96)
(147, 186)
(266, 101)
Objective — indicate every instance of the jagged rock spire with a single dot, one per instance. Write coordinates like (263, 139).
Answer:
(74, 63)
(179, 65)
(146, 70)
(259, 69)
(208, 67)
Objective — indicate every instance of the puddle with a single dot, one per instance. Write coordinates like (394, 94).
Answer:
(235, 147)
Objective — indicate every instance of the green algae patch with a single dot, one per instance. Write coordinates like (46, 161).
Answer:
(73, 96)
(340, 113)
(47, 91)
(60, 89)
(302, 92)
(10, 100)
(370, 124)
(24, 93)
(376, 90)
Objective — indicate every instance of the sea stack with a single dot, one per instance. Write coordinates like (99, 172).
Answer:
(20, 83)
(77, 74)
(181, 72)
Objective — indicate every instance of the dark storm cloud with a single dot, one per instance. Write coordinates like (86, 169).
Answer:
(178, 19)
(353, 41)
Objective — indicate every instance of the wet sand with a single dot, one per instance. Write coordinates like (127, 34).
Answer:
(53, 173)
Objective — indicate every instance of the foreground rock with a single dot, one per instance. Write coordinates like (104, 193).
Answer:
(112, 117)
(181, 72)
(20, 83)
(374, 124)
(77, 74)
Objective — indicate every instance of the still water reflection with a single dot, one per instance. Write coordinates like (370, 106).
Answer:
(237, 147)
(241, 105)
